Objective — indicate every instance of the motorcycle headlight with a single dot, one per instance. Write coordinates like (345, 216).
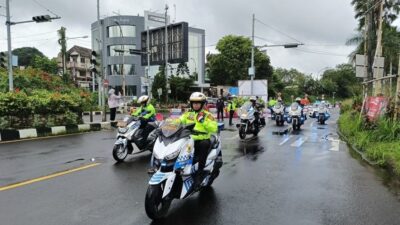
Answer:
(173, 155)
(243, 115)
(122, 130)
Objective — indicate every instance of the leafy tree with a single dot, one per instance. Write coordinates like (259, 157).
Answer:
(367, 9)
(182, 69)
(180, 87)
(159, 82)
(341, 80)
(26, 55)
(45, 64)
(233, 61)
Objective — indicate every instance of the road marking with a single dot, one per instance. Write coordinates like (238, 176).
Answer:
(335, 145)
(299, 142)
(312, 123)
(12, 186)
(285, 140)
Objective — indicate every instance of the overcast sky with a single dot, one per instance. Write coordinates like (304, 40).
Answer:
(322, 25)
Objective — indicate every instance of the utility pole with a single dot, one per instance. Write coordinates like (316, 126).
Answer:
(148, 62)
(252, 71)
(10, 72)
(166, 52)
(101, 71)
(397, 97)
(378, 51)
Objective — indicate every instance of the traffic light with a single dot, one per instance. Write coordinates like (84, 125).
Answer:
(39, 19)
(3, 60)
(95, 61)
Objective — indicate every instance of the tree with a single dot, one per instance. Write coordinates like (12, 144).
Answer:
(341, 80)
(45, 64)
(63, 44)
(182, 69)
(26, 55)
(367, 9)
(159, 82)
(180, 87)
(233, 61)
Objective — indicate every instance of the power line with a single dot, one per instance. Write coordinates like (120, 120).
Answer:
(32, 40)
(28, 36)
(277, 30)
(319, 52)
(48, 10)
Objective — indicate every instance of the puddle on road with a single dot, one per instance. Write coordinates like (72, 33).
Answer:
(75, 160)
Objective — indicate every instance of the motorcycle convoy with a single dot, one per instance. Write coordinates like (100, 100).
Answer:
(174, 167)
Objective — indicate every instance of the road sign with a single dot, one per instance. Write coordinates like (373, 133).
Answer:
(159, 91)
(251, 71)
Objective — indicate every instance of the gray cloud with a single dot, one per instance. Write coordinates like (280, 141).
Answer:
(323, 25)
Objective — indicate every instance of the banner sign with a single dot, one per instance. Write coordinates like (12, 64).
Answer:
(375, 107)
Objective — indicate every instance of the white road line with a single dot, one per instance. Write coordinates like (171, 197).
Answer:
(312, 123)
(285, 140)
(299, 142)
(335, 145)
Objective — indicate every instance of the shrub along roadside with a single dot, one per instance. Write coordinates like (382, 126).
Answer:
(380, 143)
(41, 109)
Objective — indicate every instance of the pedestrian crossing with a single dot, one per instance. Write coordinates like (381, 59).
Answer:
(296, 142)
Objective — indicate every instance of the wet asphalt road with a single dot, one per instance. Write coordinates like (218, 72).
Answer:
(306, 178)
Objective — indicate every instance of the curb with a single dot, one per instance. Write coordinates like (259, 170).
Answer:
(21, 134)
(372, 163)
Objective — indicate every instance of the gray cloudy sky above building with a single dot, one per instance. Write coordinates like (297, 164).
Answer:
(322, 25)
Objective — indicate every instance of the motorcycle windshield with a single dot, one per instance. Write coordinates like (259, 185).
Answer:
(278, 105)
(246, 107)
(294, 106)
(170, 126)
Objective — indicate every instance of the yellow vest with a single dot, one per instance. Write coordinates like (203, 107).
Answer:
(205, 128)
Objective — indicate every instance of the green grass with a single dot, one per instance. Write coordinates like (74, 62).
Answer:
(380, 144)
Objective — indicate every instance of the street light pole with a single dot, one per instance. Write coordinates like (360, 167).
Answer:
(166, 51)
(252, 71)
(10, 72)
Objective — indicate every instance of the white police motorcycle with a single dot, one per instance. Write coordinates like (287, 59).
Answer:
(130, 139)
(295, 116)
(174, 169)
(323, 114)
(279, 114)
(247, 121)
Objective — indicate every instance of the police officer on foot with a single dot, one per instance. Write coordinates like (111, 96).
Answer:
(231, 108)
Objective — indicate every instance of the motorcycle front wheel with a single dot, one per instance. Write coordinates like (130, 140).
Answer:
(242, 132)
(119, 153)
(155, 206)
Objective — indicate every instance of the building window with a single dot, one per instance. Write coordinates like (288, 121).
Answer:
(129, 89)
(121, 31)
(121, 69)
(118, 50)
(82, 60)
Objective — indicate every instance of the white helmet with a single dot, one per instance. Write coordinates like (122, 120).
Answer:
(253, 98)
(143, 99)
(197, 97)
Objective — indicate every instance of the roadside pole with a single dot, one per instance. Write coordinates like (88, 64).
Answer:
(397, 98)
